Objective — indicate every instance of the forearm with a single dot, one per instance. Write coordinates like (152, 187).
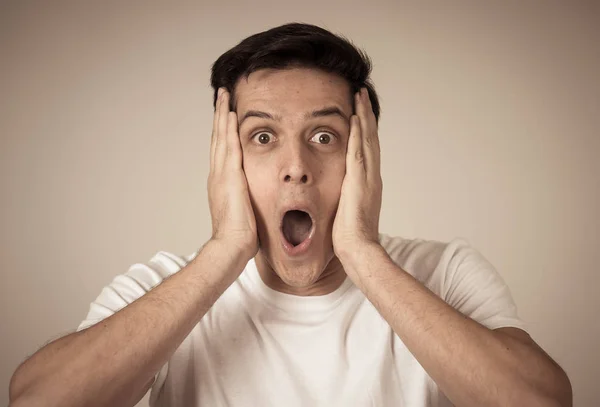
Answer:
(471, 364)
(111, 361)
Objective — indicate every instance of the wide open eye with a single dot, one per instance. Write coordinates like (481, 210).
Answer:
(323, 138)
(263, 138)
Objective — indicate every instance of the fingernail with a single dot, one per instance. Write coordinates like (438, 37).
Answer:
(220, 92)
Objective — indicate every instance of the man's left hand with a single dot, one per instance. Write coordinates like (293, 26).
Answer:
(356, 223)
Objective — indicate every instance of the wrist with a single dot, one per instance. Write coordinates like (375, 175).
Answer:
(364, 262)
(359, 254)
(233, 248)
(225, 256)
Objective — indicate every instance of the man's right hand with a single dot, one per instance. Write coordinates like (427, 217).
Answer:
(83, 369)
(233, 221)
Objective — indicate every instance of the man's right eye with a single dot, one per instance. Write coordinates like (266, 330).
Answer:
(263, 138)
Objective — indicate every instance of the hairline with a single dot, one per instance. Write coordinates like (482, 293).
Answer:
(293, 65)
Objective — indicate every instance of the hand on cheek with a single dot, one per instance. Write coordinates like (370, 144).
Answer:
(357, 219)
(233, 220)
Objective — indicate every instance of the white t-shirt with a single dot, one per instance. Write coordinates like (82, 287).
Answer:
(260, 347)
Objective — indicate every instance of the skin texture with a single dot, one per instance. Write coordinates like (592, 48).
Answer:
(294, 167)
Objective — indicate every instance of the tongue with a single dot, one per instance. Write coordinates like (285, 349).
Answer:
(296, 226)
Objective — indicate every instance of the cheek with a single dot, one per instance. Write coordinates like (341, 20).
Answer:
(260, 183)
(332, 177)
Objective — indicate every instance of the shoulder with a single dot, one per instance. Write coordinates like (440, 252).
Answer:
(138, 280)
(430, 261)
(417, 256)
(150, 273)
(460, 275)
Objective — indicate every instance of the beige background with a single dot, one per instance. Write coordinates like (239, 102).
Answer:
(490, 130)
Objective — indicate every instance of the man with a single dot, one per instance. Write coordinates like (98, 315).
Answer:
(297, 300)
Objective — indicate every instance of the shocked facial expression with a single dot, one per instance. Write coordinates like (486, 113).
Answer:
(294, 127)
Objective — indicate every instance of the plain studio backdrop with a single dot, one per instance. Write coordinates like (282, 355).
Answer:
(490, 131)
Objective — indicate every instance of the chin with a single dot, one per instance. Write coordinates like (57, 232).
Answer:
(298, 273)
(300, 276)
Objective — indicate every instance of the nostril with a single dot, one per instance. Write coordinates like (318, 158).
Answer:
(303, 180)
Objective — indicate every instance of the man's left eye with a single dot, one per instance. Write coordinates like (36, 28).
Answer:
(323, 138)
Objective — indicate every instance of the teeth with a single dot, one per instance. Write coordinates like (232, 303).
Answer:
(296, 226)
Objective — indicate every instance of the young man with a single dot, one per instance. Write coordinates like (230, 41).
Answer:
(297, 300)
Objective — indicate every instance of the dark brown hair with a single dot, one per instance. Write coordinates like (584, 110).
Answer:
(295, 45)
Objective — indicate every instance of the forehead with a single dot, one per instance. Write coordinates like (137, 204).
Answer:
(292, 91)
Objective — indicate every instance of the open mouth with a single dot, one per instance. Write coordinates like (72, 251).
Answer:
(296, 227)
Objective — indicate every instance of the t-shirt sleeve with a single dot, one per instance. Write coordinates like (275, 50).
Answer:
(126, 288)
(472, 285)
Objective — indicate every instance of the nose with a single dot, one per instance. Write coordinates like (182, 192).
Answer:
(296, 167)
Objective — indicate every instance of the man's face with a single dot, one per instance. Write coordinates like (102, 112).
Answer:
(294, 127)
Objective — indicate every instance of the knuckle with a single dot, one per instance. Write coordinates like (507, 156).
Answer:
(358, 156)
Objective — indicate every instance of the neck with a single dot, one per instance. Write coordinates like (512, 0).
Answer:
(330, 280)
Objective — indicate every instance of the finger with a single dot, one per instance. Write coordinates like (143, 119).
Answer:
(221, 148)
(213, 137)
(370, 136)
(372, 122)
(354, 153)
(234, 148)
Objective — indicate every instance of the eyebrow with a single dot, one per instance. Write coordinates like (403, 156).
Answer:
(327, 111)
